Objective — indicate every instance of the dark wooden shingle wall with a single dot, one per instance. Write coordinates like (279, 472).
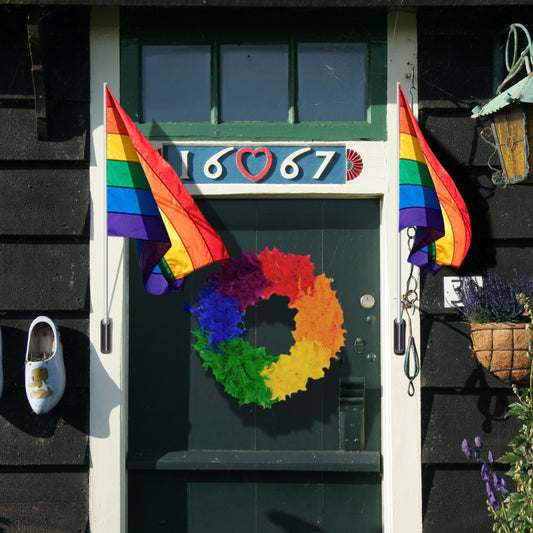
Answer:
(44, 232)
(44, 265)
(460, 51)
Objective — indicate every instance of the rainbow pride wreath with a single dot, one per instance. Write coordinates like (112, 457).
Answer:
(249, 374)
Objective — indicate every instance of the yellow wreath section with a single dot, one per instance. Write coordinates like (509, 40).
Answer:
(318, 337)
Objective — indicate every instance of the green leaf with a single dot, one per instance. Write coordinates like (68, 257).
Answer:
(509, 458)
(515, 508)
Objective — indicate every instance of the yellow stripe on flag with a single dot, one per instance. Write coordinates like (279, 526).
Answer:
(177, 257)
(444, 246)
(120, 148)
(410, 148)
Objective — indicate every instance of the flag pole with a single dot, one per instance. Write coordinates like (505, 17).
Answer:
(105, 324)
(399, 322)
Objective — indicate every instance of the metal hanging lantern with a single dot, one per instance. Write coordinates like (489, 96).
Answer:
(511, 112)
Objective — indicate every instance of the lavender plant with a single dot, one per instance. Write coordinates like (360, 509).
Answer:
(495, 300)
(496, 487)
(512, 510)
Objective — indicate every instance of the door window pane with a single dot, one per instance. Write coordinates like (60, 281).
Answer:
(254, 82)
(176, 83)
(332, 81)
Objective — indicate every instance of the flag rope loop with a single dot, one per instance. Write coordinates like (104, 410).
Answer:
(411, 357)
(409, 300)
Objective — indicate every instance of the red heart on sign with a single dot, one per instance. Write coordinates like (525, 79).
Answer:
(244, 171)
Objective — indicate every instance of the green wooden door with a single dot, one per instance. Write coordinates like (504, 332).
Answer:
(199, 463)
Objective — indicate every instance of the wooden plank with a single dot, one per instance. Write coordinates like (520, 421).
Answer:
(44, 201)
(65, 39)
(47, 502)
(454, 500)
(447, 359)
(448, 417)
(467, 148)
(278, 3)
(59, 437)
(67, 46)
(334, 461)
(68, 134)
(457, 53)
(503, 213)
(293, 502)
(74, 335)
(44, 276)
(14, 54)
(451, 20)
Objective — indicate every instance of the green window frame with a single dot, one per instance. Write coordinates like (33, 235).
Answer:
(255, 26)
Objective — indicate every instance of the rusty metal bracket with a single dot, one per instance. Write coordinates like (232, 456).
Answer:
(38, 73)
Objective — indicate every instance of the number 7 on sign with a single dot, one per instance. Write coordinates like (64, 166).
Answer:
(328, 156)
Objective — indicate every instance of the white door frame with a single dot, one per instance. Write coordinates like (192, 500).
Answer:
(401, 434)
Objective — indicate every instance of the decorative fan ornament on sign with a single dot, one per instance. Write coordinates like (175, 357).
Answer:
(250, 374)
(354, 164)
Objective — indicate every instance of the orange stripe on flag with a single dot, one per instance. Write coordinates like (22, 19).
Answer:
(114, 122)
(180, 223)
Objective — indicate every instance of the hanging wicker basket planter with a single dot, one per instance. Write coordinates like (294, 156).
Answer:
(502, 348)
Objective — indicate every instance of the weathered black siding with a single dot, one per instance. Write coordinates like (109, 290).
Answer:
(460, 55)
(44, 233)
(44, 264)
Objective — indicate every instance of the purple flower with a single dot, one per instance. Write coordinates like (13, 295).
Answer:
(500, 483)
(492, 497)
(490, 457)
(495, 300)
(485, 472)
(478, 443)
(466, 449)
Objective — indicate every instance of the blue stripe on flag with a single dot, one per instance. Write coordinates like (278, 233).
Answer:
(134, 201)
(417, 196)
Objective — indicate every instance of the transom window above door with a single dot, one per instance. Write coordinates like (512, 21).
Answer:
(299, 75)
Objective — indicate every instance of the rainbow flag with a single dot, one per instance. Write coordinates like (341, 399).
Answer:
(147, 201)
(429, 201)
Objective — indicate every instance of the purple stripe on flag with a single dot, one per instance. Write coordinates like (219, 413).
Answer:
(137, 227)
(420, 259)
(150, 253)
(420, 216)
(424, 237)
(157, 284)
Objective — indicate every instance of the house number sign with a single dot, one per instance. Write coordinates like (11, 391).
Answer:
(258, 164)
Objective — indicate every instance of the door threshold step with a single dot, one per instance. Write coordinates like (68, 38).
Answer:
(318, 461)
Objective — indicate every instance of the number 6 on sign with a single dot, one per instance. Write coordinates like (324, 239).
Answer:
(214, 161)
(289, 169)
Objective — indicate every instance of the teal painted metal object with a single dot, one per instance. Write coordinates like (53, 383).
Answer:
(519, 92)
(511, 114)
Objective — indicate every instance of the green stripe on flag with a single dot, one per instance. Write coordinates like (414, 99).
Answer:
(126, 174)
(414, 173)
(432, 253)
(165, 270)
